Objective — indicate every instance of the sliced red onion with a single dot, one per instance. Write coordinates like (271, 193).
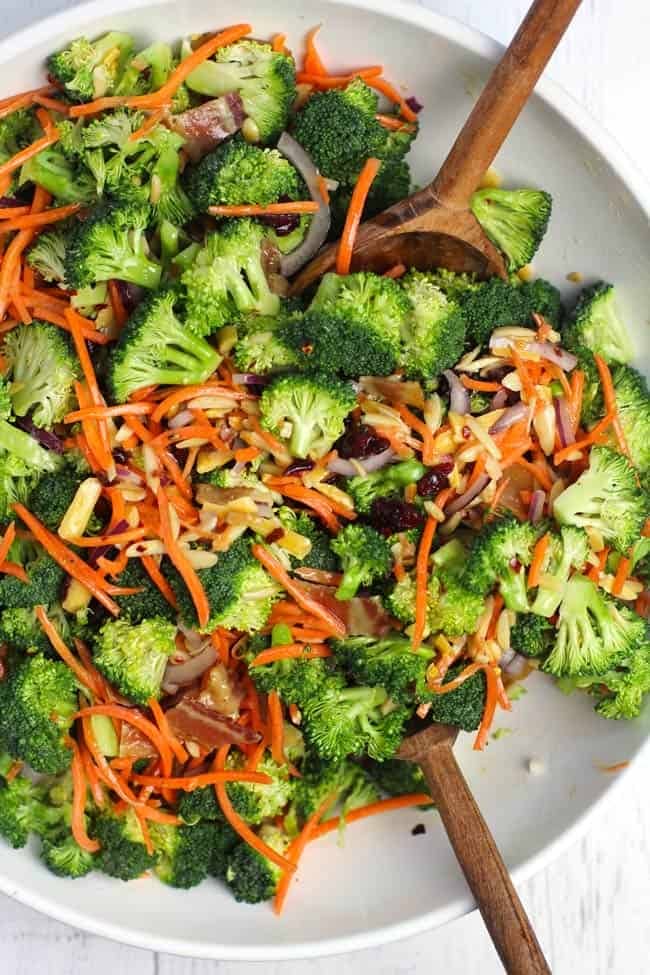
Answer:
(250, 379)
(536, 507)
(182, 419)
(126, 474)
(264, 511)
(553, 353)
(319, 224)
(414, 104)
(459, 503)
(563, 422)
(511, 416)
(499, 400)
(95, 554)
(11, 201)
(182, 674)
(458, 395)
(45, 438)
(131, 294)
(373, 463)
(517, 666)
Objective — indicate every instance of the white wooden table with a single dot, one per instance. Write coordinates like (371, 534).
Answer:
(592, 908)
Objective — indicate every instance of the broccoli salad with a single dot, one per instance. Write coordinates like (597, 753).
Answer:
(247, 536)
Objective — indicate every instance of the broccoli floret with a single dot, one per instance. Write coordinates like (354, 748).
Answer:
(53, 495)
(321, 554)
(21, 630)
(352, 326)
(37, 702)
(47, 255)
(621, 692)
(147, 71)
(239, 591)
(568, 551)
(514, 220)
(184, 853)
(633, 407)
(256, 802)
(498, 555)
(65, 858)
(155, 347)
(110, 243)
(451, 608)
(259, 348)
(495, 302)
(227, 279)
(146, 604)
(318, 780)
(595, 324)
(463, 707)
(23, 810)
(17, 131)
(434, 331)
(296, 681)
(397, 778)
(250, 876)
(45, 578)
(389, 662)
(264, 79)
(454, 284)
(592, 396)
(532, 636)
(67, 180)
(384, 483)
(134, 657)
(606, 497)
(365, 556)
(236, 172)
(123, 853)
(42, 368)
(391, 184)
(344, 721)
(200, 804)
(91, 69)
(22, 462)
(313, 406)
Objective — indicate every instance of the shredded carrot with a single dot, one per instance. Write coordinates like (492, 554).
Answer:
(8, 213)
(312, 499)
(498, 494)
(178, 396)
(276, 726)
(148, 124)
(270, 209)
(592, 437)
(29, 152)
(164, 95)
(79, 786)
(298, 847)
(152, 569)
(373, 808)
(392, 94)
(119, 538)
(398, 271)
(278, 43)
(238, 824)
(180, 561)
(428, 446)
(575, 401)
(31, 220)
(622, 575)
(527, 384)
(11, 258)
(596, 570)
(15, 770)
(103, 412)
(421, 580)
(437, 687)
(245, 454)
(15, 570)
(491, 700)
(90, 771)
(480, 385)
(53, 104)
(7, 541)
(537, 563)
(312, 62)
(609, 395)
(26, 98)
(64, 652)
(163, 726)
(323, 190)
(133, 717)
(393, 124)
(192, 782)
(120, 313)
(354, 214)
(494, 618)
(277, 571)
(327, 82)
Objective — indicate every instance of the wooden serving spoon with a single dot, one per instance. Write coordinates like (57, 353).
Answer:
(435, 226)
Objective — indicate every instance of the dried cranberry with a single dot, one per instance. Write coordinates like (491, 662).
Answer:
(467, 433)
(298, 466)
(360, 441)
(283, 223)
(414, 104)
(131, 294)
(436, 479)
(390, 515)
(120, 456)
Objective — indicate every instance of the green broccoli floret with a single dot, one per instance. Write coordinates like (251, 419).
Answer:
(352, 326)
(23, 810)
(47, 255)
(389, 662)
(514, 220)
(606, 497)
(384, 483)
(344, 721)
(184, 853)
(37, 702)
(123, 853)
(259, 348)
(633, 407)
(493, 303)
(463, 707)
(318, 780)
(91, 69)
(592, 396)
(454, 284)
(134, 657)
(565, 552)
(595, 324)
(45, 578)
(65, 858)
(147, 71)
(227, 279)
(434, 331)
(250, 876)
(22, 462)
(155, 347)
(365, 556)
(236, 172)
(621, 692)
(255, 802)
(17, 131)
(451, 608)
(391, 184)
(532, 636)
(594, 633)
(53, 495)
(110, 243)
(397, 778)
(296, 681)
(239, 591)
(313, 406)
(146, 604)
(200, 804)
(498, 555)
(42, 368)
(321, 554)
(21, 630)
(67, 180)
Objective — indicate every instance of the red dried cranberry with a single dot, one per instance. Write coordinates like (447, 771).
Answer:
(298, 466)
(390, 515)
(467, 433)
(436, 479)
(414, 104)
(360, 441)
(283, 223)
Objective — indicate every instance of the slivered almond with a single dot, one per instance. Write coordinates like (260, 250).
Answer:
(211, 460)
(148, 546)
(200, 559)
(75, 520)
(483, 436)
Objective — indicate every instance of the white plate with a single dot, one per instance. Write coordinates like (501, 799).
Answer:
(387, 884)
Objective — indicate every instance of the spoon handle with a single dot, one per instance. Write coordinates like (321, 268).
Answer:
(505, 94)
(480, 860)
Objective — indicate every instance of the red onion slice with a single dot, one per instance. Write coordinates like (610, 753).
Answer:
(250, 379)
(320, 223)
(458, 395)
(563, 422)
(511, 416)
(373, 463)
(499, 400)
(180, 675)
(461, 502)
(553, 353)
(45, 438)
(536, 507)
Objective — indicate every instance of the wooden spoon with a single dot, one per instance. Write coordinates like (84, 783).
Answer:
(435, 227)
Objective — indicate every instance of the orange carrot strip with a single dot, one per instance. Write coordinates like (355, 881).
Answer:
(278, 43)
(354, 214)
(323, 190)
(381, 806)
(64, 652)
(595, 570)
(312, 61)
(26, 98)
(327, 82)
(437, 687)
(238, 824)
(12, 569)
(94, 433)
(428, 447)
(52, 103)
(537, 564)
(182, 564)
(90, 771)
(622, 575)
(148, 124)
(609, 395)
(270, 209)
(8, 213)
(7, 541)
(153, 571)
(102, 412)
(276, 725)
(575, 401)
(298, 847)
(133, 717)
(77, 324)
(120, 313)
(277, 571)
(79, 787)
(392, 94)
(246, 454)
(480, 385)
(32, 220)
(592, 437)
(527, 385)
(186, 393)
(421, 579)
(163, 726)
(398, 271)
(120, 538)
(498, 494)
(20, 158)
(491, 700)
(393, 124)
(192, 782)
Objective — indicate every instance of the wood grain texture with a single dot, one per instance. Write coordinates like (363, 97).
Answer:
(591, 907)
